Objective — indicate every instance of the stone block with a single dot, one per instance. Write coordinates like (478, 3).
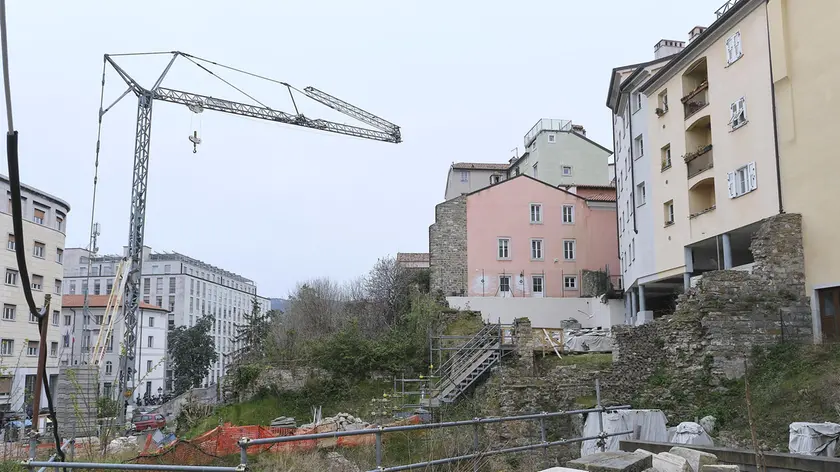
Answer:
(560, 469)
(613, 462)
(643, 451)
(667, 462)
(696, 459)
(720, 468)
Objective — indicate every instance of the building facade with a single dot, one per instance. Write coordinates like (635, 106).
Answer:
(555, 151)
(187, 288)
(44, 226)
(81, 332)
(523, 238)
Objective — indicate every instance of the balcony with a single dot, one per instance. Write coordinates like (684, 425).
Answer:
(695, 84)
(546, 124)
(701, 197)
(699, 161)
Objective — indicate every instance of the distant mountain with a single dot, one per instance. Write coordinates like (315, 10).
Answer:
(279, 304)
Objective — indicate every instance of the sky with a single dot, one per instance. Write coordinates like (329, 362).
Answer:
(281, 204)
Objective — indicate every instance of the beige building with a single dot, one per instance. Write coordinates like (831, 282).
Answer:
(45, 222)
(806, 80)
(555, 151)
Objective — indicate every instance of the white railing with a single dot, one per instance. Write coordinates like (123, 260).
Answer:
(546, 124)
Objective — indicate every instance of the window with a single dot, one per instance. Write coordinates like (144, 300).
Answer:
(67, 320)
(39, 216)
(733, 48)
(536, 171)
(37, 282)
(172, 303)
(738, 114)
(97, 287)
(552, 138)
(59, 221)
(537, 285)
(567, 171)
(494, 179)
(147, 285)
(159, 285)
(59, 255)
(637, 102)
(167, 268)
(504, 283)
(57, 289)
(570, 282)
(9, 312)
(640, 146)
(151, 321)
(53, 350)
(107, 387)
(109, 367)
(95, 271)
(7, 347)
(465, 176)
(32, 348)
(743, 180)
(669, 212)
(536, 249)
(72, 287)
(11, 244)
(632, 249)
(663, 103)
(666, 157)
(150, 342)
(159, 301)
(39, 250)
(569, 250)
(515, 171)
(66, 339)
(55, 316)
(568, 214)
(640, 194)
(192, 286)
(171, 284)
(98, 319)
(536, 213)
(504, 248)
(11, 277)
(109, 286)
(148, 366)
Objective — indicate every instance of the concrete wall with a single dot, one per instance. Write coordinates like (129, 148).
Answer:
(588, 161)
(807, 86)
(448, 247)
(544, 312)
(503, 211)
(477, 179)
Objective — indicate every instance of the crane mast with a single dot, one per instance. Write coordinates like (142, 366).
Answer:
(386, 132)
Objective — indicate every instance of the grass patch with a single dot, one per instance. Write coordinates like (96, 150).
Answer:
(466, 324)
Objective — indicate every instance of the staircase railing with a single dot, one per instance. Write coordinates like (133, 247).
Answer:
(488, 339)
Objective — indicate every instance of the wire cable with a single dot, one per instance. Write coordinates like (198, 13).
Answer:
(17, 221)
(228, 83)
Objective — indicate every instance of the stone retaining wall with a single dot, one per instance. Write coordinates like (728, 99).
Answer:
(448, 248)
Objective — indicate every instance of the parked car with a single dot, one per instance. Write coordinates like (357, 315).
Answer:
(147, 421)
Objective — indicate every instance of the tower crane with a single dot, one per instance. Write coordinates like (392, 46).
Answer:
(384, 131)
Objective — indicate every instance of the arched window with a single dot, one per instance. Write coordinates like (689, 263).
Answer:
(109, 367)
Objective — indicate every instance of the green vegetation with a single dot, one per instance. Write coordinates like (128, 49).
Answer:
(593, 360)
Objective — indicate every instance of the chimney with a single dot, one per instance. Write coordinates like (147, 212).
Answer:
(667, 47)
(695, 32)
(579, 129)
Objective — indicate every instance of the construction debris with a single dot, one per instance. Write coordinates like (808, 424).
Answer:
(339, 422)
(283, 422)
(123, 444)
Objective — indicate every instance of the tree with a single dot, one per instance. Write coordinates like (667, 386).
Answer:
(252, 334)
(387, 286)
(192, 352)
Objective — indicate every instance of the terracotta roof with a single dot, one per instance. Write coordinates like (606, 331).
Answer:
(412, 257)
(480, 166)
(98, 301)
(601, 197)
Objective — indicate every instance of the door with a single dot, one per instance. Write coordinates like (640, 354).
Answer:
(829, 316)
(537, 286)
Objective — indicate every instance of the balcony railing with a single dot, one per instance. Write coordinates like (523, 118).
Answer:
(697, 99)
(699, 161)
(725, 7)
(546, 124)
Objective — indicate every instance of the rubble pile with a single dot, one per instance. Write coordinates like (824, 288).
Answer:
(339, 422)
(283, 422)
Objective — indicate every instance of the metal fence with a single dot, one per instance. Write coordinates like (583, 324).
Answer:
(379, 432)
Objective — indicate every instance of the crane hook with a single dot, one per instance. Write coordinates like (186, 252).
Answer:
(195, 140)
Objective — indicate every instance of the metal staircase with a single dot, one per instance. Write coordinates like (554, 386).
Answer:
(466, 365)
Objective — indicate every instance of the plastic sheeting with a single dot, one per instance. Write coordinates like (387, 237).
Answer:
(651, 422)
(590, 342)
(689, 432)
(813, 439)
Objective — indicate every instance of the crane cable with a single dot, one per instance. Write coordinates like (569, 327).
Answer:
(17, 220)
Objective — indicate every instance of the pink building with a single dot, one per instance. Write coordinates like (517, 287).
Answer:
(526, 238)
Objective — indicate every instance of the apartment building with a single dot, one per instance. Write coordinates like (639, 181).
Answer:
(555, 151)
(45, 223)
(81, 332)
(523, 238)
(187, 288)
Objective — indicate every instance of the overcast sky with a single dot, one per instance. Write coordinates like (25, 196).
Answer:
(278, 204)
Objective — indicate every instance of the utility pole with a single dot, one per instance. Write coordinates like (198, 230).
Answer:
(43, 324)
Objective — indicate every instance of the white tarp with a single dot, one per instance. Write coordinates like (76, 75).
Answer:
(689, 432)
(589, 342)
(813, 439)
(651, 422)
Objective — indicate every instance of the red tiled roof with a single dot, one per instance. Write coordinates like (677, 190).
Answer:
(480, 166)
(98, 301)
(412, 257)
(601, 197)
(595, 186)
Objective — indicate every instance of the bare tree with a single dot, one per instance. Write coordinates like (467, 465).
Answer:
(387, 287)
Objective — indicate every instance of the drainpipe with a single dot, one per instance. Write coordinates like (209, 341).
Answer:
(775, 119)
(632, 165)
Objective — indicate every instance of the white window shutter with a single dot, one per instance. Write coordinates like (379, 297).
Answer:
(730, 49)
(737, 46)
(742, 108)
(730, 180)
(733, 113)
(753, 179)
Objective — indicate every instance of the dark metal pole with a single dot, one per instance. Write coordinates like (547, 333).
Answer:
(602, 441)
(44, 323)
(475, 446)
